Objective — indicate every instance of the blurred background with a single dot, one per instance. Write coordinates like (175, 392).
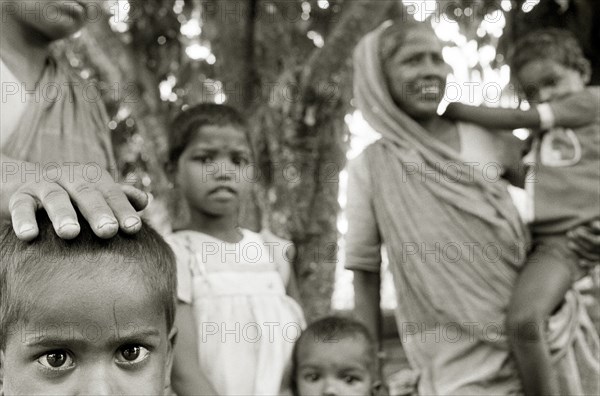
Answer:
(286, 64)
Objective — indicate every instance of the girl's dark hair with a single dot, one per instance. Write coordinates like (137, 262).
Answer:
(190, 120)
(554, 44)
(330, 329)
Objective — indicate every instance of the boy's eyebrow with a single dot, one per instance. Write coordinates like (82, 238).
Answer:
(137, 334)
(203, 148)
(52, 341)
(77, 338)
(346, 367)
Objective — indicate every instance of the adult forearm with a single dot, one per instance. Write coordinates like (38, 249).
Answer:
(367, 301)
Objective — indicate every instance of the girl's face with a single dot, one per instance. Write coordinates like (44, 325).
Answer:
(53, 19)
(334, 368)
(416, 74)
(213, 172)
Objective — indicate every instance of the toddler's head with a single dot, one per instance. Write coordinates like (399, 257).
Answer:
(49, 19)
(334, 356)
(88, 315)
(210, 158)
(548, 64)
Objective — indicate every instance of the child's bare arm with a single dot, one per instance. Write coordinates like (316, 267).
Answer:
(494, 118)
(292, 288)
(187, 378)
(573, 111)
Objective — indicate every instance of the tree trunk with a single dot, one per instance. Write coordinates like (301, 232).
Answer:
(303, 148)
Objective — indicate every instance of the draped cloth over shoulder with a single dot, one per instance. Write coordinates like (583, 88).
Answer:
(65, 121)
(455, 244)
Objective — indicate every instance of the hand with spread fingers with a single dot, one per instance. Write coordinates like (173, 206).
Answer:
(106, 205)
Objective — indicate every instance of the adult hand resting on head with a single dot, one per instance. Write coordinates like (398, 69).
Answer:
(106, 205)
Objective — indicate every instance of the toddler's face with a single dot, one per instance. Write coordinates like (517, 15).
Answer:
(334, 367)
(96, 336)
(213, 172)
(55, 19)
(545, 79)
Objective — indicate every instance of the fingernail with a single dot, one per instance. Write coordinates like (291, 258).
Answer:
(131, 222)
(107, 222)
(68, 225)
(25, 229)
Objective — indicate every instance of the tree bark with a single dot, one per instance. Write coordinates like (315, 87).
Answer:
(304, 138)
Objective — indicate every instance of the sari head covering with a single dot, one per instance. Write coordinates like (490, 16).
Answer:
(65, 122)
(455, 243)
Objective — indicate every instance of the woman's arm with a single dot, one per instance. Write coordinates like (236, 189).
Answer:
(367, 301)
(186, 377)
(106, 205)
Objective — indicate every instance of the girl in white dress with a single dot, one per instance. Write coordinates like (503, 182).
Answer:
(237, 326)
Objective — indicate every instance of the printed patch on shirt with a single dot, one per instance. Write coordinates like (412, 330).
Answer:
(560, 147)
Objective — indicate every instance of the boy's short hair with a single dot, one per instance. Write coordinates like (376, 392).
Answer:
(190, 120)
(554, 44)
(331, 329)
(24, 265)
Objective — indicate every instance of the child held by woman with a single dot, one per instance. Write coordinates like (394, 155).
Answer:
(563, 187)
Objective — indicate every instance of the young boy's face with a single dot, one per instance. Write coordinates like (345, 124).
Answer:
(335, 367)
(546, 79)
(55, 19)
(99, 335)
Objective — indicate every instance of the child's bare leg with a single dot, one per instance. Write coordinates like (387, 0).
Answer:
(540, 288)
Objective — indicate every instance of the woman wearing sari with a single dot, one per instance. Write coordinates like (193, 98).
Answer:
(429, 190)
(54, 137)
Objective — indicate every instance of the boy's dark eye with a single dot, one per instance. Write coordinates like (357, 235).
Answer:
(56, 360)
(131, 354)
(240, 160)
(311, 377)
(413, 60)
(202, 158)
(550, 82)
(350, 379)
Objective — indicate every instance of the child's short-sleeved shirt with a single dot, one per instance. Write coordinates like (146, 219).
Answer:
(565, 182)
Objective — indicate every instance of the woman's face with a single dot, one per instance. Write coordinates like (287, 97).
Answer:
(416, 74)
